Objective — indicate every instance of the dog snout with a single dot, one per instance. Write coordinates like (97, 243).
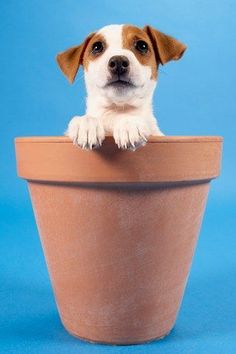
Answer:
(118, 64)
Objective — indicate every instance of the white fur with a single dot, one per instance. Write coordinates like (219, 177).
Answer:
(126, 114)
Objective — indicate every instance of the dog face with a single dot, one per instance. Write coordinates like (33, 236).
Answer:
(121, 61)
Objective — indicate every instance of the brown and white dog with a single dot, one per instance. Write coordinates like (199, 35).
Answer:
(121, 67)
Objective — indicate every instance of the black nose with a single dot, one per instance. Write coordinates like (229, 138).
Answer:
(118, 64)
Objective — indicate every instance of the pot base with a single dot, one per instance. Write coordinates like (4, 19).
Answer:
(115, 343)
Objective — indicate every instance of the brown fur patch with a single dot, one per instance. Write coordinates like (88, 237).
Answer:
(130, 35)
(88, 55)
(165, 47)
(70, 60)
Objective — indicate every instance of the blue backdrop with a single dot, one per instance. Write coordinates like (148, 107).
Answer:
(196, 96)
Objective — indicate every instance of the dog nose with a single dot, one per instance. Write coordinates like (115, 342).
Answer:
(118, 64)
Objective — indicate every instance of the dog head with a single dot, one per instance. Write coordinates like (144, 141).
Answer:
(121, 61)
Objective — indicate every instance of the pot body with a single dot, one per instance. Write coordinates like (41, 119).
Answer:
(118, 256)
(119, 253)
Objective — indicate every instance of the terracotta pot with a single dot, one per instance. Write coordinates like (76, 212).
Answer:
(119, 229)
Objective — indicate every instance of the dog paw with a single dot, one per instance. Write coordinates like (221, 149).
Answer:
(130, 134)
(86, 132)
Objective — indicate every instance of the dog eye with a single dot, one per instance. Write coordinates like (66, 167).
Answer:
(97, 47)
(141, 46)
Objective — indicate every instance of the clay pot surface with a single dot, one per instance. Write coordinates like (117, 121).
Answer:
(119, 229)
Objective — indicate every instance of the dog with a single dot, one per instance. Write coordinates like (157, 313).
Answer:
(120, 65)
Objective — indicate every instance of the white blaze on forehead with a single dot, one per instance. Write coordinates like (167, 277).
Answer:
(112, 35)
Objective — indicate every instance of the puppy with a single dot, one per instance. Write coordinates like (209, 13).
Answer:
(120, 68)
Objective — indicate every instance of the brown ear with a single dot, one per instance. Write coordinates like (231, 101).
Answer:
(166, 47)
(70, 60)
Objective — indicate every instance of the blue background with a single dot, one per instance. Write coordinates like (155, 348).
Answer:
(196, 96)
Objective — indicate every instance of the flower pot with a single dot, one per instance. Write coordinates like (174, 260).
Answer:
(119, 229)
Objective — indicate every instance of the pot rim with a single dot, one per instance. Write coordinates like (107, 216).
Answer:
(151, 139)
(164, 159)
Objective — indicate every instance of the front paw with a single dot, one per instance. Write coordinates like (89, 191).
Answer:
(86, 132)
(130, 134)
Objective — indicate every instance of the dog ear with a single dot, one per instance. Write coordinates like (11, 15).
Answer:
(70, 60)
(166, 47)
